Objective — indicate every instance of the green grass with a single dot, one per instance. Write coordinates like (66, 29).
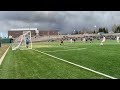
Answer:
(33, 65)
(29, 64)
(3, 48)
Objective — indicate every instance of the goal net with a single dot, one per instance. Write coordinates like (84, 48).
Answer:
(23, 42)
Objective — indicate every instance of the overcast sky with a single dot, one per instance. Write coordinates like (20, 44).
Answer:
(65, 21)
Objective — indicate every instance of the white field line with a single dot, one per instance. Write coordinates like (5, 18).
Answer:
(3, 56)
(70, 47)
(58, 46)
(26, 49)
(65, 50)
(77, 65)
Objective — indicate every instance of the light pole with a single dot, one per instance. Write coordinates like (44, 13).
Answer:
(95, 28)
(74, 31)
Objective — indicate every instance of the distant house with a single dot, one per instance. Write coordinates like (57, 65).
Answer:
(34, 31)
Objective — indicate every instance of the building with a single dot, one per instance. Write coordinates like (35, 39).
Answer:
(34, 31)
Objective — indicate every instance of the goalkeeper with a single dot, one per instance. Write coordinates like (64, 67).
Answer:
(27, 42)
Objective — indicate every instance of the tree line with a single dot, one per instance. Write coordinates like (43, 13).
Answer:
(115, 29)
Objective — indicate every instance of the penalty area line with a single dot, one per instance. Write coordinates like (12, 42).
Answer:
(108, 76)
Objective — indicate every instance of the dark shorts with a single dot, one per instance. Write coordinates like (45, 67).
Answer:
(27, 43)
(61, 41)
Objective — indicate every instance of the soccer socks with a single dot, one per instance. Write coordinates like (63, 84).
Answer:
(101, 44)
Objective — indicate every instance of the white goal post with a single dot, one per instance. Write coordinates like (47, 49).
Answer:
(23, 42)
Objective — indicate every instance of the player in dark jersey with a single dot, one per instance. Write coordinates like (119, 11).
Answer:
(91, 39)
(61, 42)
(27, 42)
(74, 40)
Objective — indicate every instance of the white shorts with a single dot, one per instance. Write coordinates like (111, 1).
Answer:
(103, 41)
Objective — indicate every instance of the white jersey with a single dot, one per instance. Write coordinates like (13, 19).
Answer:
(103, 39)
(117, 38)
(84, 39)
(71, 40)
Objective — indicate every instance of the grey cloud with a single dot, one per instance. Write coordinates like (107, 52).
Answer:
(66, 21)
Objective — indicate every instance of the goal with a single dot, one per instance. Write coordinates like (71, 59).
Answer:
(23, 42)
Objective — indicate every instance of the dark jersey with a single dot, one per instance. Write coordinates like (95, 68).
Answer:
(61, 41)
(74, 40)
(27, 41)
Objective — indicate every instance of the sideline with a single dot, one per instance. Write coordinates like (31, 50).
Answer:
(3, 56)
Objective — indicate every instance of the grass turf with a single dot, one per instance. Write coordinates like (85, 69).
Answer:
(29, 64)
(104, 58)
(3, 49)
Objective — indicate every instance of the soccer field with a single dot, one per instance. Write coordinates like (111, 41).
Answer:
(45, 61)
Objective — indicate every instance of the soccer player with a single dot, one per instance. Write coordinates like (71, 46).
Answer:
(61, 42)
(27, 42)
(71, 40)
(74, 40)
(84, 40)
(104, 39)
(91, 39)
(118, 39)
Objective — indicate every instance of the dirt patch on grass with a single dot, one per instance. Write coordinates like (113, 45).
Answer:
(3, 49)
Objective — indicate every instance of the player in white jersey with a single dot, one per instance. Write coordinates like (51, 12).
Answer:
(84, 40)
(71, 40)
(104, 39)
(118, 39)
